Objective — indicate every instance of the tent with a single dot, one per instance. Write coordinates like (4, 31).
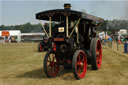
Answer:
(12, 33)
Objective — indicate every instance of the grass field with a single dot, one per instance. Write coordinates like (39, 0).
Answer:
(21, 64)
(120, 47)
(117, 47)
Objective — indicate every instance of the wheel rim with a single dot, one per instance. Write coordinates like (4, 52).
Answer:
(98, 54)
(40, 47)
(81, 65)
(52, 65)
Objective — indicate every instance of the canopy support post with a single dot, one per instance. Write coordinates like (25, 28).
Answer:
(77, 35)
(50, 27)
(75, 27)
(67, 32)
(44, 29)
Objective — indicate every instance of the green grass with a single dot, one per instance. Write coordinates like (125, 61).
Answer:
(22, 64)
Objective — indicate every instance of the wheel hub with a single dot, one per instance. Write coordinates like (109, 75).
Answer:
(52, 64)
(81, 64)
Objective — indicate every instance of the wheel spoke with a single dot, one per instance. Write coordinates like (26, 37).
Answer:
(79, 58)
(53, 57)
(48, 61)
(83, 60)
(48, 65)
(79, 70)
(51, 69)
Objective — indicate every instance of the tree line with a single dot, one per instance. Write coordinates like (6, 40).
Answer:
(109, 25)
(24, 28)
(114, 25)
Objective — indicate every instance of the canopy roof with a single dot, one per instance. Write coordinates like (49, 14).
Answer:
(56, 13)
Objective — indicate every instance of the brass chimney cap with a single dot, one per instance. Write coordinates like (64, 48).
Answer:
(67, 6)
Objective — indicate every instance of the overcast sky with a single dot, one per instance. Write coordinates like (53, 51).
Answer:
(14, 12)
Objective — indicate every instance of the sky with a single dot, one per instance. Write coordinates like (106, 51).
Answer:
(14, 12)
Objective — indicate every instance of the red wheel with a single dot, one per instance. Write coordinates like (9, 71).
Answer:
(40, 48)
(51, 66)
(96, 51)
(98, 54)
(79, 64)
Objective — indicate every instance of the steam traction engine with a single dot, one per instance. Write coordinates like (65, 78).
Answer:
(72, 35)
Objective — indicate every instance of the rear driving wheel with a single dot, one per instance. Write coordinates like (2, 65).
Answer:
(96, 50)
(98, 54)
(51, 66)
(79, 64)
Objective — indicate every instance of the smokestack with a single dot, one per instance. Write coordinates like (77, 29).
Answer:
(67, 6)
